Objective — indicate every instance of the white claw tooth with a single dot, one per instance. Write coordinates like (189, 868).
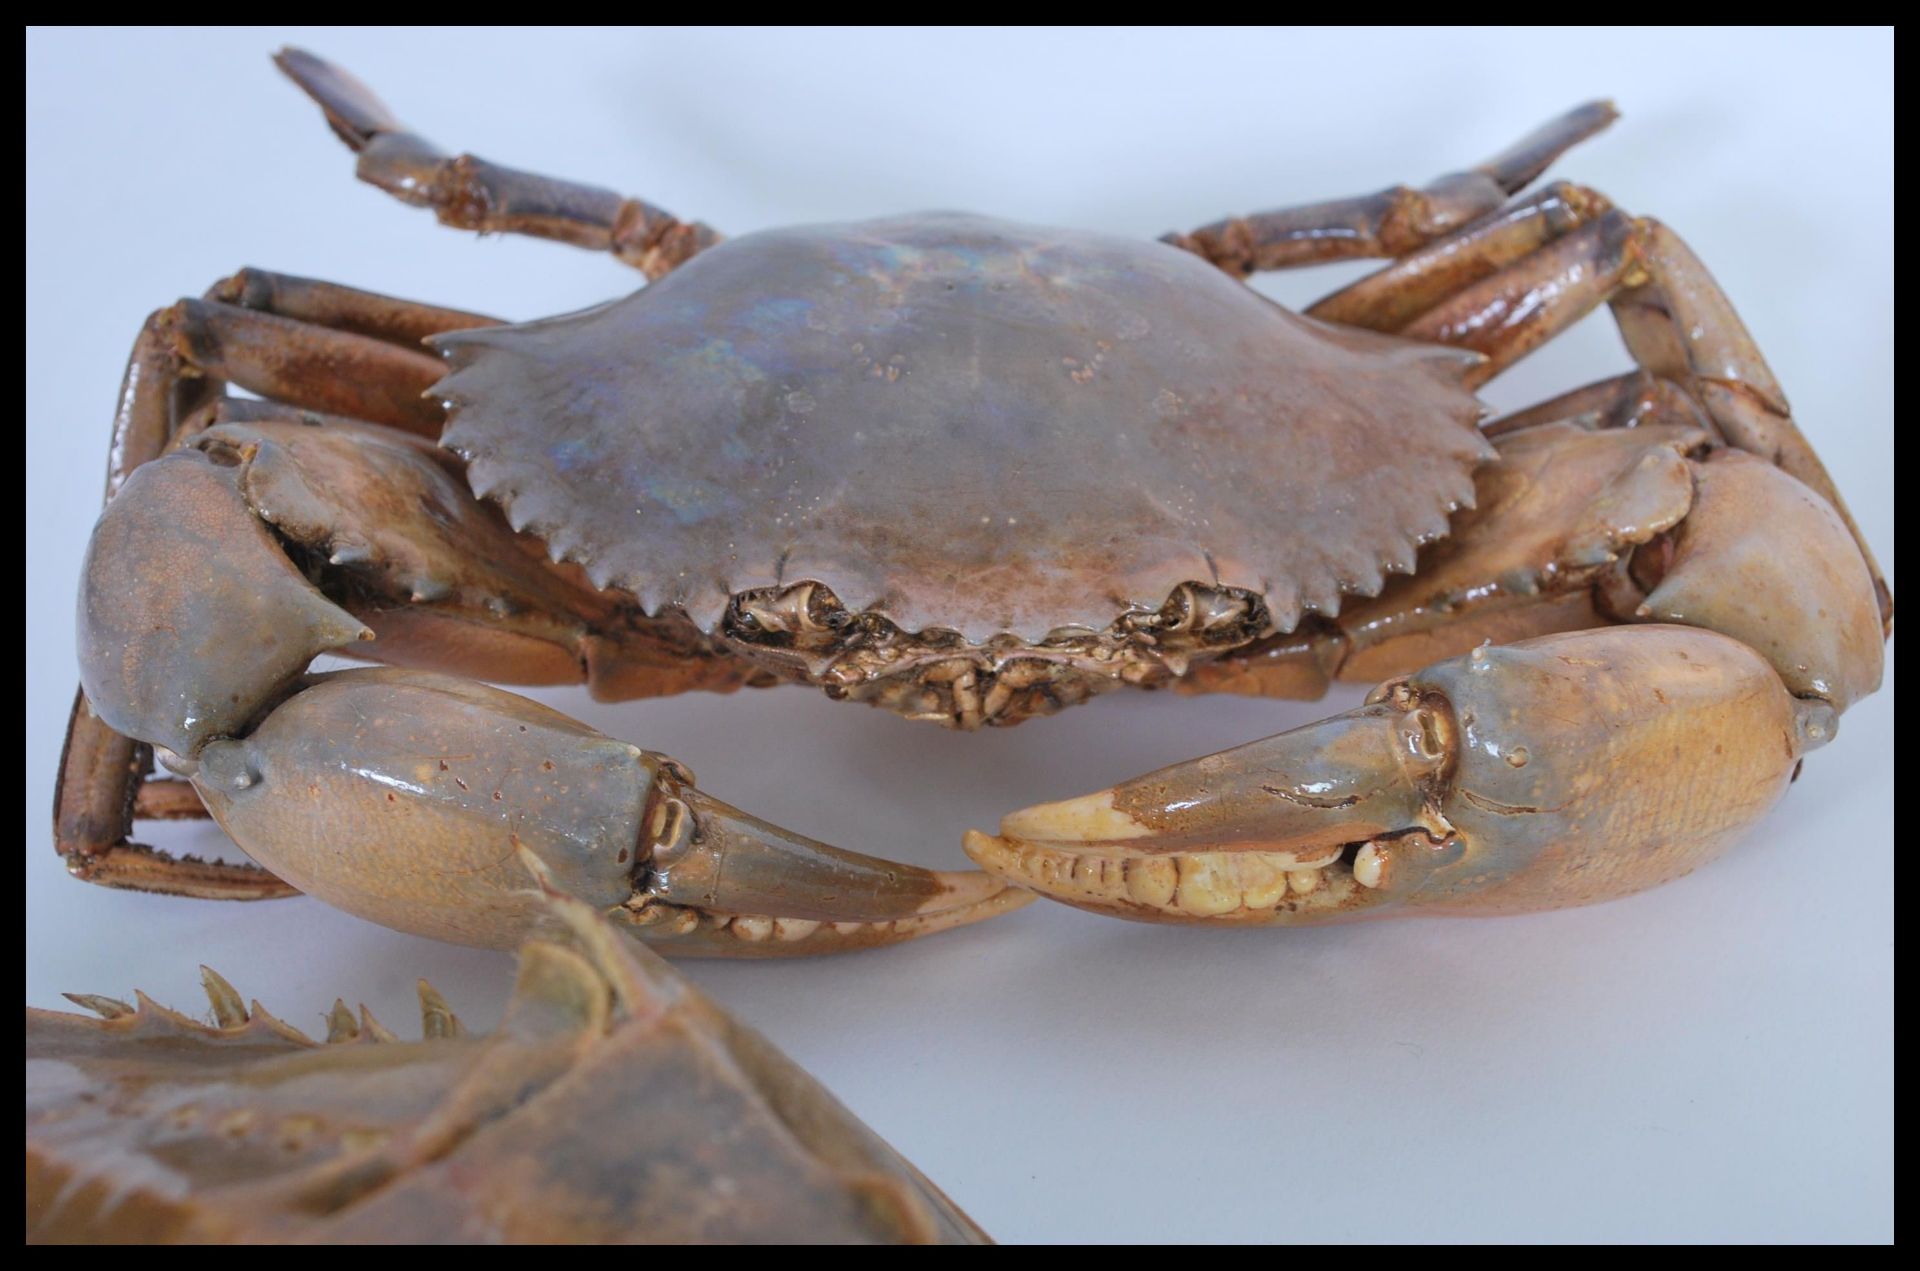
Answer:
(1370, 866)
(1263, 882)
(848, 928)
(1151, 881)
(679, 922)
(752, 928)
(793, 928)
(1209, 886)
(1303, 881)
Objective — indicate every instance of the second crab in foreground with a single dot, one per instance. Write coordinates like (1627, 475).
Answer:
(615, 1104)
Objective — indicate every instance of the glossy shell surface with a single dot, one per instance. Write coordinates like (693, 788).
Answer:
(964, 424)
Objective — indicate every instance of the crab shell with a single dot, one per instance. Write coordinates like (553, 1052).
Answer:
(959, 431)
(615, 1104)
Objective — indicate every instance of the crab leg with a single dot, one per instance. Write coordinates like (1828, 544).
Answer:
(174, 387)
(1389, 298)
(1580, 515)
(470, 193)
(1394, 221)
(1676, 320)
(401, 795)
(1558, 770)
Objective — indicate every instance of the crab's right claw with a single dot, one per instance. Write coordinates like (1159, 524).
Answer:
(1551, 772)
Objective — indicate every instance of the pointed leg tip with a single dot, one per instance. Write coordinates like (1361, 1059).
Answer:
(353, 110)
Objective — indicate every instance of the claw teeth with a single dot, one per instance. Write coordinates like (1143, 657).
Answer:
(436, 1017)
(1202, 885)
(229, 1011)
(751, 928)
(1370, 866)
(1152, 881)
(1208, 885)
(341, 1026)
(1263, 883)
(373, 1028)
(104, 1007)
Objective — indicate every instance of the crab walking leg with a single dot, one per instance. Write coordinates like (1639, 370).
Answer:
(173, 373)
(1677, 323)
(1389, 298)
(1610, 504)
(1395, 220)
(1625, 401)
(385, 523)
(95, 805)
(469, 193)
(312, 366)
(1558, 771)
(291, 337)
(408, 323)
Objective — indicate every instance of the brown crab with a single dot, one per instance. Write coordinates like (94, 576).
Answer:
(970, 471)
(615, 1104)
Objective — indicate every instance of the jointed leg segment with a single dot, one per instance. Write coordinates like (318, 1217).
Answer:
(242, 538)
(379, 515)
(470, 193)
(1578, 763)
(1396, 220)
(259, 534)
(285, 338)
(1528, 273)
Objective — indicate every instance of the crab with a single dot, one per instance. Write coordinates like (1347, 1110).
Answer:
(971, 472)
(615, 1104)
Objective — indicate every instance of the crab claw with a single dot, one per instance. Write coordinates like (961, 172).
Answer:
(1551, 772)
(406, 798)
(1262, 833)
(723, 883)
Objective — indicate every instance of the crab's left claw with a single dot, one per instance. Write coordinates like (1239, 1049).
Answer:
(1551, 772)
(406, 798)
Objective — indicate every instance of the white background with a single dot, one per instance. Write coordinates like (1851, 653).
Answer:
(1712, 1060)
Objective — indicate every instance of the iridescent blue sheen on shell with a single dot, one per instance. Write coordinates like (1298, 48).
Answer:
(964, 424)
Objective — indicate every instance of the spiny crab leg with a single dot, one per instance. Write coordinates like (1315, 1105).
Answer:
(1550, 772)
